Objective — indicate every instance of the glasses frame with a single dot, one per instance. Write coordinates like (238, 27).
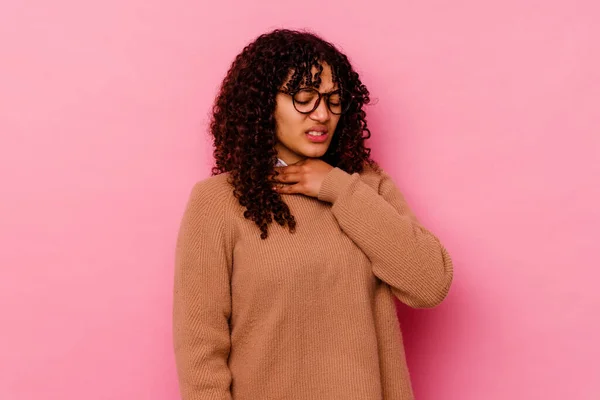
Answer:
(320, 95)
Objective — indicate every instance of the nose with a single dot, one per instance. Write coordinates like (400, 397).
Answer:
(321, 113)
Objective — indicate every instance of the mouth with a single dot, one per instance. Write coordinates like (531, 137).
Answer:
(317, 136)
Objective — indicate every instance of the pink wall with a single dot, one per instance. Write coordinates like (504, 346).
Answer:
(487, 116)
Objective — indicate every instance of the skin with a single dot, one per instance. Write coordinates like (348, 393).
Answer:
(305, 171)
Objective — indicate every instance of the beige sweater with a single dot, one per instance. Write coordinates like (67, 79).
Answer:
(308, 315)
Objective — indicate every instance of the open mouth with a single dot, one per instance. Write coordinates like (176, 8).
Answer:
(316, 136)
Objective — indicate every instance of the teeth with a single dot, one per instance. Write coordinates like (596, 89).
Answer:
(313, 133)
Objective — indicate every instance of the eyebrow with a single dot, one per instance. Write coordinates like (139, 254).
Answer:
(311, 87)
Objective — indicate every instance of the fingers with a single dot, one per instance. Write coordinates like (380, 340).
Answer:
(288, 189)
(288, 180)
(291, 169)
(287, 177)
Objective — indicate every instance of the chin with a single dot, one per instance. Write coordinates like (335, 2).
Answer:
(315, 153)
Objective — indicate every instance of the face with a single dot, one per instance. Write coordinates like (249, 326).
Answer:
(294, 143)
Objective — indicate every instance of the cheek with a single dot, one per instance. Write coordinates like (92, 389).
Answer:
(334, 122)
(288, 121)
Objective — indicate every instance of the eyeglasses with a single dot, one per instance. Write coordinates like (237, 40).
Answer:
(306, 100)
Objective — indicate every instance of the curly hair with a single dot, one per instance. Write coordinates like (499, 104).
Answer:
(243, 124)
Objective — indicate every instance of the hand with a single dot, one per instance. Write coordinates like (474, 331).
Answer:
(304, 177)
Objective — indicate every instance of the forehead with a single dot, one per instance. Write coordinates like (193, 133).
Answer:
(327, 84)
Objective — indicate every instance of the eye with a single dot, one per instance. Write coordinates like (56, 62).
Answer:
(305, 96)
(335, 99)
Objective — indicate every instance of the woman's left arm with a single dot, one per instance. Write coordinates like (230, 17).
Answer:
(403, 253)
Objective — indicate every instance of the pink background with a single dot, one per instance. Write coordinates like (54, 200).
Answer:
(486, 116)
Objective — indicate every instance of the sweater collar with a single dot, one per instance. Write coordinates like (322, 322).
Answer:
(280, 163)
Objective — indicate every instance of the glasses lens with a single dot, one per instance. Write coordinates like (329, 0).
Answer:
(336, 103)
(305, 99)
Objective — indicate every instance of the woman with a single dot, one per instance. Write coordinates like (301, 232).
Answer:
(303, 308)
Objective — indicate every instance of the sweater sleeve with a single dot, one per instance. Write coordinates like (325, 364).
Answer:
(403, 254)
(202, 301)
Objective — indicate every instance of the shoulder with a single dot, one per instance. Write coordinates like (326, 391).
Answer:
(210, 195)
(375, 177)
(206, 212)
(204, 223)
(213, 186)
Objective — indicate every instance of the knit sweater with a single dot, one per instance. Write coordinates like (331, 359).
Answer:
(308, 315)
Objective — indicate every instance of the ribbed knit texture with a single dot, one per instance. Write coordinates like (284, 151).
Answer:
(308, 315)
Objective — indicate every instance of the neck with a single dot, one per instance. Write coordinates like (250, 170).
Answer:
(288, 157)
(291, 160)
